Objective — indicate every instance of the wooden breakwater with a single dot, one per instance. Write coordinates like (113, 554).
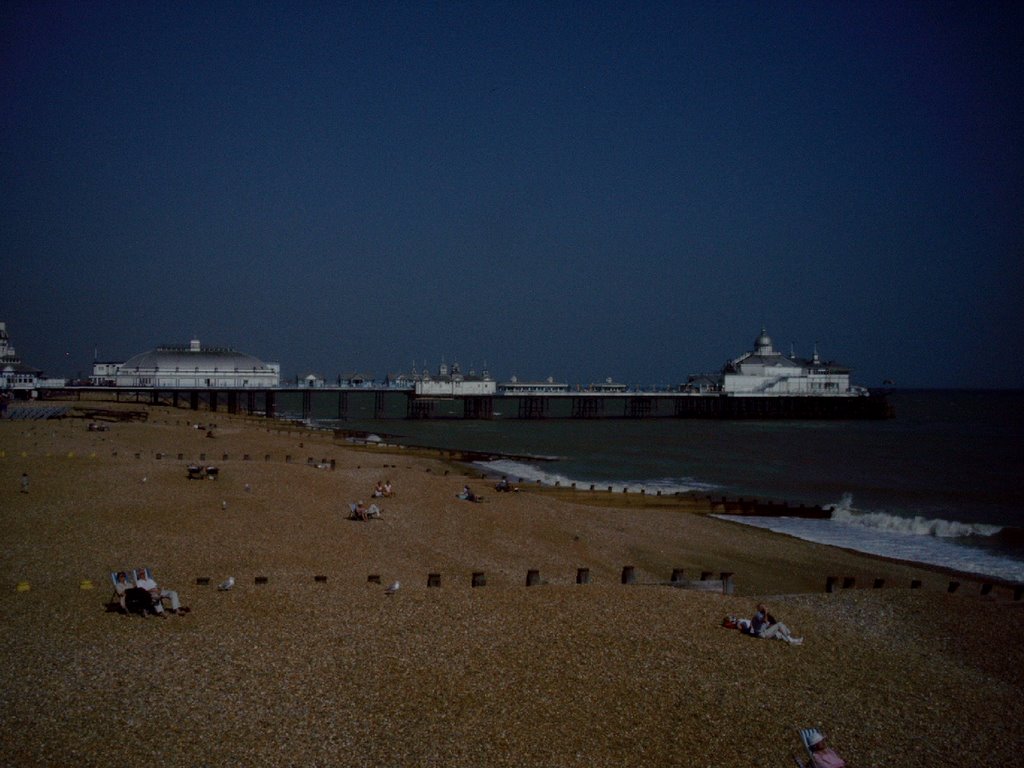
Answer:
(762, 508)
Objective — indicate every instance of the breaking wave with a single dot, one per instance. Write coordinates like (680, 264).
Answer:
(528, 473)
(844, 512)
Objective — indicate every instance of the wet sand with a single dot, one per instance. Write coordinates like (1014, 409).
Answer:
(296, 671)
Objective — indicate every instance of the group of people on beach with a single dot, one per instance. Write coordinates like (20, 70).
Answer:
(142, 595)
(765, 626)
(359, 511)
(504, 486)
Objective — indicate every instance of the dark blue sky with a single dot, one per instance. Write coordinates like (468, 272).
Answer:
(578, 190)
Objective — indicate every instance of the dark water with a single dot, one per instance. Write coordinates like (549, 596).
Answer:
(940, 483)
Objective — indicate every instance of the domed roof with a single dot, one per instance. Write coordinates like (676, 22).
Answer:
(763, 344)
(170, 358)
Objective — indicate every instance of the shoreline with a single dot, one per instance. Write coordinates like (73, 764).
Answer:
(695, 502)
(459, 463)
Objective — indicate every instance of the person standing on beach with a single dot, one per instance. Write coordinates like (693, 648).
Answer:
(24, 482)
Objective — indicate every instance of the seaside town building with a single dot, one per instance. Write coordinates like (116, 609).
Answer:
(196, 367)
(104, 374)
(14, 374)
(453, 383)
(547, 387)
(608, 387)
(764, 371)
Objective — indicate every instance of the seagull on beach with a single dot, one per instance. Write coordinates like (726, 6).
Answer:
(227, 584)
(392, 589)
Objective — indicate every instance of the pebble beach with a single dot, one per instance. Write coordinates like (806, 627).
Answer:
(308, 662)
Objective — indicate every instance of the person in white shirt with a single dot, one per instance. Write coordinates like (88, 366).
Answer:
(143, 580)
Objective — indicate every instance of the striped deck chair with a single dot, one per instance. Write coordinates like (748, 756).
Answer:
(809, 737)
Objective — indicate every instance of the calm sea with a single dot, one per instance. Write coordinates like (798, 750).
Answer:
(940, 483)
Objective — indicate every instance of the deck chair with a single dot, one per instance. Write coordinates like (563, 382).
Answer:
(136, 600)
(809, 737)
(142, 599)
(114, 603)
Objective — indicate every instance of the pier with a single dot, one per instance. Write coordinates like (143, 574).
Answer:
(382, 403)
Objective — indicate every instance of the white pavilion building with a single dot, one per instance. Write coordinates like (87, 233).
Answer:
(197, 367)
(765, 371)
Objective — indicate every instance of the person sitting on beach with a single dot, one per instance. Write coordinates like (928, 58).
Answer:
(765, 626)
(120, 587)
(378, 490)
(359, 512)
(468, 495)
(821, 755)
(388, 491)
(143, 580)
(503, 486)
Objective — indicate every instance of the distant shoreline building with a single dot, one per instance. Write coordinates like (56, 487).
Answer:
(191, 367)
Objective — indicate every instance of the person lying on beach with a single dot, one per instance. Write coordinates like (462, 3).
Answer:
(821, 755)
(765, 626)
(358, 511)
(468, 495)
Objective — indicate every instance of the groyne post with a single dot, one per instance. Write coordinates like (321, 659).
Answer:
(830, 584)
(628, 575)
(532, 577)
(479, 579)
